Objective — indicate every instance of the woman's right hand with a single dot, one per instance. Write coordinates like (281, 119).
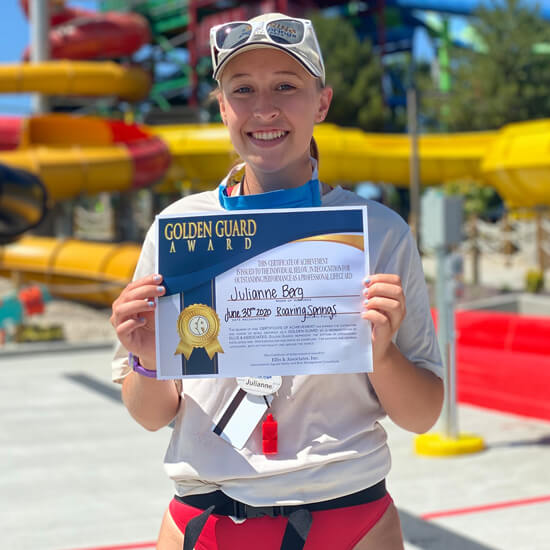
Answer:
(133, 317)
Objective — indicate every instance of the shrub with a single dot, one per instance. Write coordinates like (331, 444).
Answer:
(534, 280)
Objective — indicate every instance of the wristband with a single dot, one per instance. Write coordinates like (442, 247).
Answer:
(133, 360)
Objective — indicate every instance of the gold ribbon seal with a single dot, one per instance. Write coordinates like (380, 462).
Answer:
(198, 327)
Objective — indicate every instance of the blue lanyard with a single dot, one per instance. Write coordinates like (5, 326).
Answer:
(304, 196)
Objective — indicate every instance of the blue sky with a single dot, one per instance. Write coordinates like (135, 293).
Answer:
(14, 31)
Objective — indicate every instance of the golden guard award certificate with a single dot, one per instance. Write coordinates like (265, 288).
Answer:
(262, 293)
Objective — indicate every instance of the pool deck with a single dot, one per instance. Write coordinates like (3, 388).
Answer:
(76, 472)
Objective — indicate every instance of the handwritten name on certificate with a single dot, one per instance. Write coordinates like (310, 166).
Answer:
(262, 293)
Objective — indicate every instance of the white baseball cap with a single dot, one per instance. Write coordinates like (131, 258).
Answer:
(294, 36)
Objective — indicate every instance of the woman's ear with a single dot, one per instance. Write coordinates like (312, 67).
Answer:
(325, 99)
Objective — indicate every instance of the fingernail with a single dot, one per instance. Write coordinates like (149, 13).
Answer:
(366, 280)
(142, 319)
(150, 304)
(365, 302)
(365, 291)
(157, 278)
(160, 289)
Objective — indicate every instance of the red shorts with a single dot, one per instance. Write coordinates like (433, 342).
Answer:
(337, 529)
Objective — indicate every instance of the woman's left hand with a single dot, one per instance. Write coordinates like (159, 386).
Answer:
(384, 306)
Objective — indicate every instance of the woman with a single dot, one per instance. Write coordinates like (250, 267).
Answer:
(325, 488)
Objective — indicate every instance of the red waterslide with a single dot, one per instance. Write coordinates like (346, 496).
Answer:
(11, 131)
(81, 34)
(83, 154)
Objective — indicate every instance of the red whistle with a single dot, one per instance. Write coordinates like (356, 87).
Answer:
(269, 435)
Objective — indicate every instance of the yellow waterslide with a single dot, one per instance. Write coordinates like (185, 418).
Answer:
(76, 78)
(515, 160)
(203, 153)
(84, 271)
(517, 164)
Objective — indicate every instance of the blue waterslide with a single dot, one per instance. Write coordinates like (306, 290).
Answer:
(23, 202)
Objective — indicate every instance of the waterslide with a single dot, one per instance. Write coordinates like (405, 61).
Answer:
(76, 78)
(23, 202)
(202, 154)
(74, 155)
(84, 271)
(514, 160)
(81, 34)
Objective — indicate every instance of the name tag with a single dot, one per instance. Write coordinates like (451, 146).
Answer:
(261, 385)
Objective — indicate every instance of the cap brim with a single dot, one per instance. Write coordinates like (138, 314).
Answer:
(257, 45)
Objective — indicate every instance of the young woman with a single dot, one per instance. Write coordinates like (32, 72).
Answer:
(325, 489)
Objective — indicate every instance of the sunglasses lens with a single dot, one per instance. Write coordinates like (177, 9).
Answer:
(285, 31)
(232, 35)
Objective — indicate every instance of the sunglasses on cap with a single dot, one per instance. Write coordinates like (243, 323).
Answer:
(292, 35)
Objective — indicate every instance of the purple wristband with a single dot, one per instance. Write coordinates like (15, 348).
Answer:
(133, 360)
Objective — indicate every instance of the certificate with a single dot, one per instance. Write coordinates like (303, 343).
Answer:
(262, 293)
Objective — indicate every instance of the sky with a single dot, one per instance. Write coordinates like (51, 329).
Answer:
(14, 33)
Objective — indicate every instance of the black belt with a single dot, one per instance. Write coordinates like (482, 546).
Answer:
(299, 516)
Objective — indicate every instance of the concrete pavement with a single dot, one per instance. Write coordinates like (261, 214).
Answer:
(77, 472)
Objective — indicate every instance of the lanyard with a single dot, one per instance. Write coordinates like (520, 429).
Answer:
(306, 195)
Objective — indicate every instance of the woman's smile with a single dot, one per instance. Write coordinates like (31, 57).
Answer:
(267, 138)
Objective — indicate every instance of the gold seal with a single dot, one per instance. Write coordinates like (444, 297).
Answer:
(198, 327)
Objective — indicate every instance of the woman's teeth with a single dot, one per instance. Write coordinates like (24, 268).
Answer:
(267, 136)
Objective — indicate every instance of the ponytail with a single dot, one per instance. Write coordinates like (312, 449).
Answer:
(314, 150)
